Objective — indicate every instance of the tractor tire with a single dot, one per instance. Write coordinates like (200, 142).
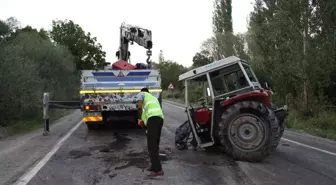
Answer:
(248, 131)
(281, 122)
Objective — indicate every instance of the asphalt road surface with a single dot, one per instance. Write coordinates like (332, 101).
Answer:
(72, 155)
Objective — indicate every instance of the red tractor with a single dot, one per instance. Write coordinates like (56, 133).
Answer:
(240, 119)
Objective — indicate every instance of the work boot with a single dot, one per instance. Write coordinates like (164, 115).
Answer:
(155, 174)
(149, 169)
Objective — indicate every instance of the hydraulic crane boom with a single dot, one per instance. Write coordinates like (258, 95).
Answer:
(132, 33)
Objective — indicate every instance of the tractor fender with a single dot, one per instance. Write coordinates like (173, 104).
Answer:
(256, 96)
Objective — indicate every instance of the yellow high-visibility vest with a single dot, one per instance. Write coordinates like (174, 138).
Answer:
(150, 107)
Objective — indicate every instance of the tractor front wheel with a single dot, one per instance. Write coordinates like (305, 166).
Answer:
(248, 131)
(184, 136)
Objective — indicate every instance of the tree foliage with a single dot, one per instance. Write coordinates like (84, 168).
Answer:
(276, 39)
(31, 64)
(88, 54)
(170, 72)
(202, 58)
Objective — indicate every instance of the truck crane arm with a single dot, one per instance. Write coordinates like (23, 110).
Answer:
(132, 33)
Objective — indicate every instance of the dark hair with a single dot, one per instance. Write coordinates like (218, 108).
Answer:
(144, 90)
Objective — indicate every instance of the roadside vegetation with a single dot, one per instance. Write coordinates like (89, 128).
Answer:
(34, 61)
(291, 45)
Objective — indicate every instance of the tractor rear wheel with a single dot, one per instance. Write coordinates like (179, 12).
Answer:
(248, 131)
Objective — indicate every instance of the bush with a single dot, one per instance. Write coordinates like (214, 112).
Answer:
(29, 66)
(321, 124)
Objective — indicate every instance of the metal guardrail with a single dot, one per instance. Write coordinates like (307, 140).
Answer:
(47, 104)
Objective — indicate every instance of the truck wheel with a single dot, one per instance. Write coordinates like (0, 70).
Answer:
(248, 131)
(92, 126)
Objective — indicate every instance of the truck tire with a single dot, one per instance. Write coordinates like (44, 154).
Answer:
(91, 126)
(248, 131)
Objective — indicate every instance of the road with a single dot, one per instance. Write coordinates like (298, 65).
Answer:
(119, 157)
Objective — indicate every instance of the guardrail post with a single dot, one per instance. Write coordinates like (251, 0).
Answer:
(45, 113)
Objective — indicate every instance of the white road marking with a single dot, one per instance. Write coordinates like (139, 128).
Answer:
(311, 147)
(167, 130)
(285, 139)
(24, 180)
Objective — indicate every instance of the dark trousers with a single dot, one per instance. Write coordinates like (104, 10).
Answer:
(154, 126)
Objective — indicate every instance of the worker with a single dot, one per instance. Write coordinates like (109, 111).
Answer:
(151, 114)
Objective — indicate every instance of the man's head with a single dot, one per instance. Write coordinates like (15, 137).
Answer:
(144, 90)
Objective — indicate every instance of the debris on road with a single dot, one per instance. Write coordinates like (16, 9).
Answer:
(78, 153)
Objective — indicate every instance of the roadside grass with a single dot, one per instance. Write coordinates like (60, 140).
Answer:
(322, 124)
(26, 126)
(173, 96)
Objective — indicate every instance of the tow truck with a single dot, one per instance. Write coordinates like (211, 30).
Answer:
(110, 94)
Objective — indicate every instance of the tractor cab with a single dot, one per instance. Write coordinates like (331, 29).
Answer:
(225, 104)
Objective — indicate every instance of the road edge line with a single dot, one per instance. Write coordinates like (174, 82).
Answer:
(25, 179)
(285, 139)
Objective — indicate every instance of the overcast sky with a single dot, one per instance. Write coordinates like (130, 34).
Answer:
(178, 26)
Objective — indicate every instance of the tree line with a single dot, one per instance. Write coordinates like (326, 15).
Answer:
(291, 45)
(33, 61)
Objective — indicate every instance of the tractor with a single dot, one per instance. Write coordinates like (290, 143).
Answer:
(234, 114)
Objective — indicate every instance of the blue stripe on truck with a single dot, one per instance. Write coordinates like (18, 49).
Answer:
(138, 73)
(103, 74)
(120, 79)
(150, 84)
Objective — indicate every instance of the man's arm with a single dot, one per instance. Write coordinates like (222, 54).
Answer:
(139, 108)
(140, 97)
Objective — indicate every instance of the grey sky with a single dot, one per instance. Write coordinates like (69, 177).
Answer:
(178, 26)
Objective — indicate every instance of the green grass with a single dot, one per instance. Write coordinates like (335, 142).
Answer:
(321, 124)
(175, 96)
(25, 126)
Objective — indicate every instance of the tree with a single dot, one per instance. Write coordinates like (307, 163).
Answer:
(292, 42)
(28, 29)
(4, 28)
(170, 72)
(222, 27)
(201, 58)
(240, 46)
(211, 47)
(30, 64)
(87, 52)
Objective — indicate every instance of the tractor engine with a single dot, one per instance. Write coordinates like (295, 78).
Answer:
(203, 116)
